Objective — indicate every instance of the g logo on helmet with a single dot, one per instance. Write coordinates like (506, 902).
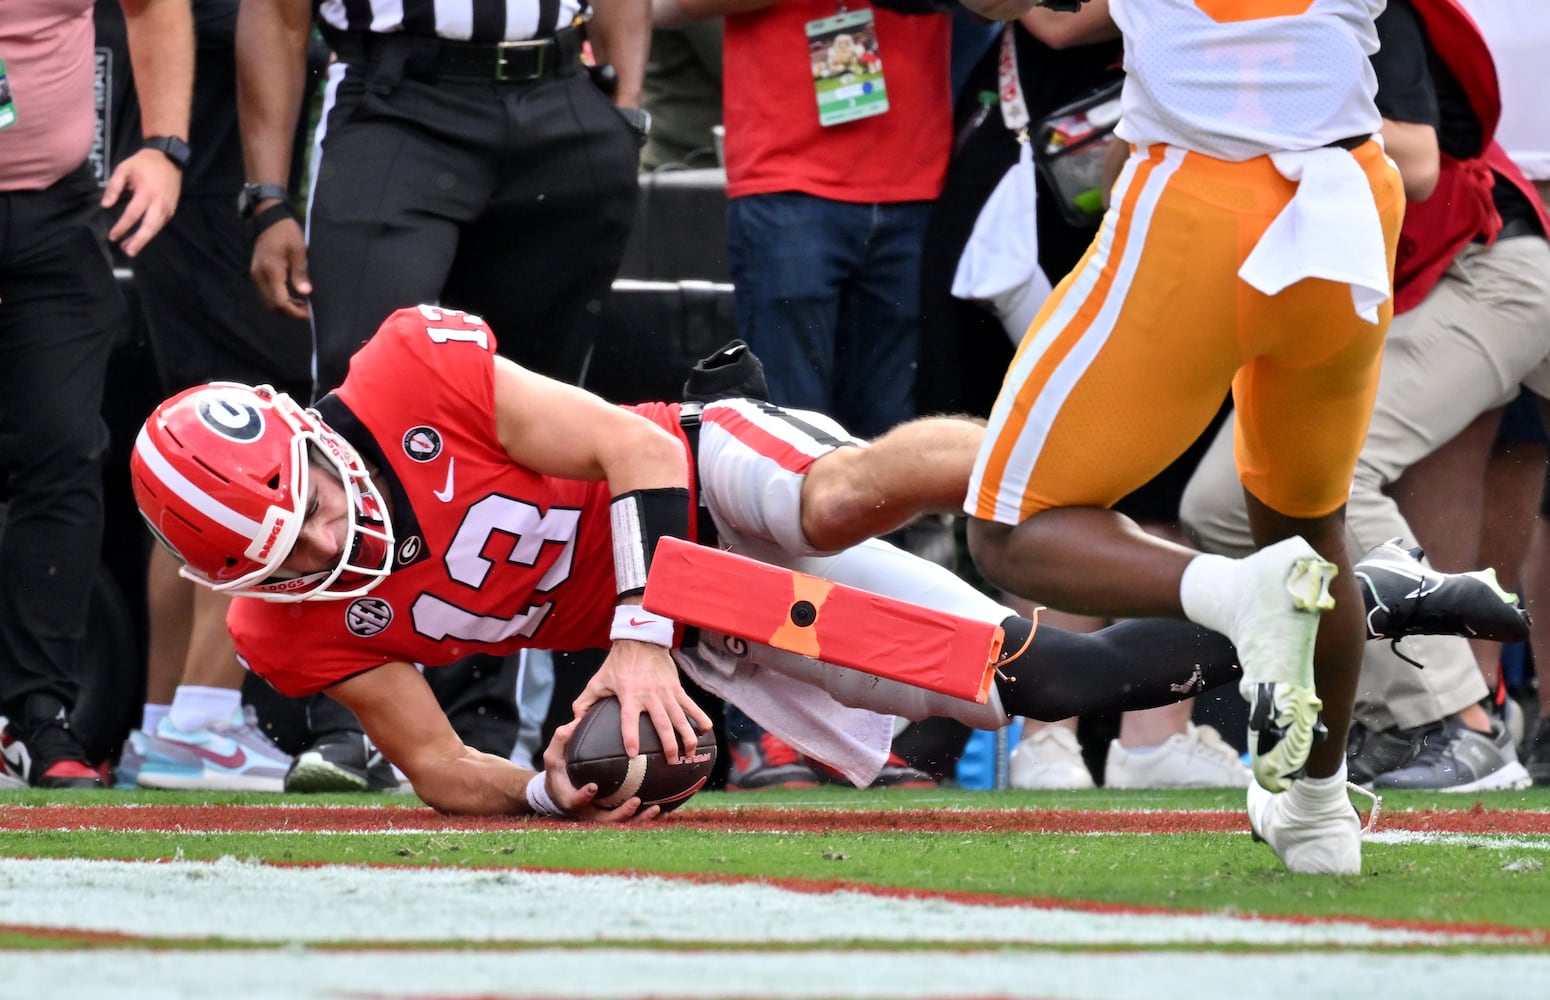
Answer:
(230, 418)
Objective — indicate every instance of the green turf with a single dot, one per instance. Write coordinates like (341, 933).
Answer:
(1445, 883)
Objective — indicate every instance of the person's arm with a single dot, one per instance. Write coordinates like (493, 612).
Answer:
(1407, 100)
(560, 430)
(1067, 29)
(160, 34)
(398, 710)
(1413, 148)
(620, 33)
(271, 77)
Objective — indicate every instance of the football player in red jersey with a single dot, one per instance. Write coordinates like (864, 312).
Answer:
(444, 500)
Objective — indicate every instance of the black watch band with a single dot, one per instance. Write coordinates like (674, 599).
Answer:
(275, 213)
(251, 194)
(172, 147)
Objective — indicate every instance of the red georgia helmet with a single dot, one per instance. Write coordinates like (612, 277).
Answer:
(220, 474)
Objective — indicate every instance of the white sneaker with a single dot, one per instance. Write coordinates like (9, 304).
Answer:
(1314, 830)
(234, 755)
(1285, 588)
(1049, 757)
(1195, 758)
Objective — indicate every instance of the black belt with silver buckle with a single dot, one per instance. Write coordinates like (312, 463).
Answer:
(498, 62)
(511, 62)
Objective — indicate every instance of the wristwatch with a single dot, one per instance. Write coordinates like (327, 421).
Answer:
(251, 194)
(174, 148)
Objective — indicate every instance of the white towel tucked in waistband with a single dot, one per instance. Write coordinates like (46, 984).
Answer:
(854, 740)
(1330, 229)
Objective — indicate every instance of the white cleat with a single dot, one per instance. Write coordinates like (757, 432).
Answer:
(1285, 590)
(1314, 831)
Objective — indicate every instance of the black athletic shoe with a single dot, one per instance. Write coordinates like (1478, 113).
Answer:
(341, 761)
(1371, 752)
(42, 750)
(1536, 753)
(1404, 597)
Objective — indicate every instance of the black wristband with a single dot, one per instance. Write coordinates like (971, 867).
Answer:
(172, 147)
(639, 520)
(278, 212)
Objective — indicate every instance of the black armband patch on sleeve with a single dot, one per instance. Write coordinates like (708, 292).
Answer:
(639, 520)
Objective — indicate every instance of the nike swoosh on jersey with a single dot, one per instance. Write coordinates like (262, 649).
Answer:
(445, 493)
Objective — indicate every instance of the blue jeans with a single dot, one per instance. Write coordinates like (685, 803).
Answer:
(828, 297)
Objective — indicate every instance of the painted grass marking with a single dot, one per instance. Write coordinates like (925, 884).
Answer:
(333, 903)
(635, 974)
(402, 819)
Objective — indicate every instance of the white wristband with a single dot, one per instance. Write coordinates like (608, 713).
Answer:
(631, 621)
(539, 801)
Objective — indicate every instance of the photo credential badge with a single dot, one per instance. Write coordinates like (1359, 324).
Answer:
(847, 69)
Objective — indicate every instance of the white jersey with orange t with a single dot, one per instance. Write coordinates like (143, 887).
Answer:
(1236, 79)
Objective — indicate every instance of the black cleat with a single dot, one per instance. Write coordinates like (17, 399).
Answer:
(341, 761)
(1404, 597)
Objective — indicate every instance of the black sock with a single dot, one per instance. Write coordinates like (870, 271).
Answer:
(1140, 663)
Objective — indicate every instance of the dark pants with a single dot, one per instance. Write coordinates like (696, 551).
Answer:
(60, 311)
(512, 201)
(203, 313)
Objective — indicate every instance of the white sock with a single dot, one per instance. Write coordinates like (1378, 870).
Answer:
(150, 715)
(195, 708)
(1321, 793)
(1208, 590)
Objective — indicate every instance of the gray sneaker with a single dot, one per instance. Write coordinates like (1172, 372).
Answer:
(1454, 758)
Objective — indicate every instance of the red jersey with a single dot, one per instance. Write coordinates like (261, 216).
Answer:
(490, 556)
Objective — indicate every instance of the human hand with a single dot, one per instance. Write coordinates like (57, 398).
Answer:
(279, 268)
(643, 676)
(154, 185)
(578, 801)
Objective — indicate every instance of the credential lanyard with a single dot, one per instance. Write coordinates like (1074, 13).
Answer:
(1014, 110)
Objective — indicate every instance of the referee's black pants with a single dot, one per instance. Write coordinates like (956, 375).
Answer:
(509, 200)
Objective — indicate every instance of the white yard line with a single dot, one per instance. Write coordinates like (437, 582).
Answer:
(919, 946)
(632, 974)
(335, 903)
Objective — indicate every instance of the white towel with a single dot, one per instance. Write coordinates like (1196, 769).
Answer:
(1330, 229)
(1000, 263)
(854, 740)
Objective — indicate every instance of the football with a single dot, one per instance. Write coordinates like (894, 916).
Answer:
(595, 754)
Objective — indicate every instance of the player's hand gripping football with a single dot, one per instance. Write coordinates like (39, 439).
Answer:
(643, 676)
(578, 801)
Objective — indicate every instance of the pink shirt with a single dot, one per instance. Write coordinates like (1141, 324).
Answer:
(48, 48)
